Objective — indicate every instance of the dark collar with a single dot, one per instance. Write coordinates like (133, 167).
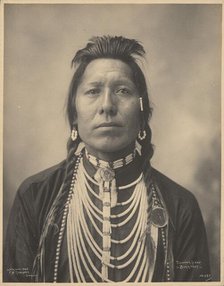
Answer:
(124, 175)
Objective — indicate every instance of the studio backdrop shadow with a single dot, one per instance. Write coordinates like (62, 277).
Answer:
(183, 69)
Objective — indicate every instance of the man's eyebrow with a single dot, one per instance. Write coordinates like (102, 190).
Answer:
(121, 81)
(96, 83)
(124, 81)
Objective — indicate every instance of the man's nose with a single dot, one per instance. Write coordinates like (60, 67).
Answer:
(108, 103)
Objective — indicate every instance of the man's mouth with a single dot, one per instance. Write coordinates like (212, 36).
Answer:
(108, 124)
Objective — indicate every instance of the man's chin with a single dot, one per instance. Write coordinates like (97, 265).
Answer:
(110, 145)
(115, 148)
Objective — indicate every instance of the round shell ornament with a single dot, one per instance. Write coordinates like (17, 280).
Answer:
(159, 217)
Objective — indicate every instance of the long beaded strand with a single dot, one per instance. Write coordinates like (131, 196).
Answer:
(91, 239)
(64, 217)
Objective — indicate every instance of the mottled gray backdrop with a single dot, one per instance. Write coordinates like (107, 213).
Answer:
(183, 45)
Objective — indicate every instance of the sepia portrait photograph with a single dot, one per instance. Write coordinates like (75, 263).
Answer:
(111, 143)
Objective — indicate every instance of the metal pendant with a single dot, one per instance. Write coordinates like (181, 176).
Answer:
(159, 217)
(106, 174)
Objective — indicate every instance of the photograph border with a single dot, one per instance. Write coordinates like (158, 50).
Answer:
(2, 3)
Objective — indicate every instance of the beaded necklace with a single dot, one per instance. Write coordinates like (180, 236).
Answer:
(79, 206)
(113, 164)
(105, 177)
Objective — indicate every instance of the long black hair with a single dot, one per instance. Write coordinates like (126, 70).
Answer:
(128, 51)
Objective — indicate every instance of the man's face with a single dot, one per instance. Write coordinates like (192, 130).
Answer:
(107, 105)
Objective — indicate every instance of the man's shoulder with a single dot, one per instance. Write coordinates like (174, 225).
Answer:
(43, 176)
(179, 201)
(171, 188)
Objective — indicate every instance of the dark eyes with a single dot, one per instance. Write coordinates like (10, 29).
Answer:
(93, 91)
(123, 91)
(118, 91)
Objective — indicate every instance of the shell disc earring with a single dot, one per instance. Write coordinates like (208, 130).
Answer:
(74, 134)
(142, 135)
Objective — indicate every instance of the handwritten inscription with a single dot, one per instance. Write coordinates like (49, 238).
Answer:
(20, 272)
(187, 265)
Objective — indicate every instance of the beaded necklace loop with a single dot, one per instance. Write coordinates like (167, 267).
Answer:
(79, 206)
